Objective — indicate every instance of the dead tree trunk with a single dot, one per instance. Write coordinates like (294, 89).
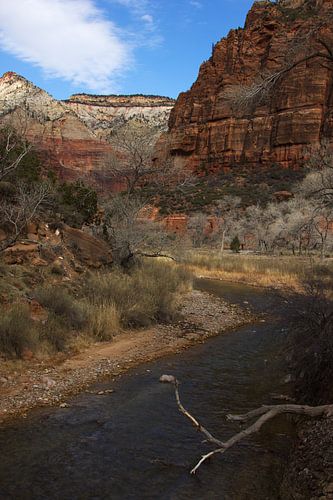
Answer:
(265, 413)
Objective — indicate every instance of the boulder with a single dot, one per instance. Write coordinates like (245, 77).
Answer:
(88, 249)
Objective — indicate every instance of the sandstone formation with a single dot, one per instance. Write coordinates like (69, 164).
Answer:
(206, 134)
(67, 145)
(103, 113)
(89, 250)
(71, 134)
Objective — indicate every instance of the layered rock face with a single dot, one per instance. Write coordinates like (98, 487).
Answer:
(204, 129)
(103, 113)
(71, 134)
(66, 143)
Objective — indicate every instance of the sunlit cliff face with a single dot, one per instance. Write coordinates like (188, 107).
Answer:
(204, 129)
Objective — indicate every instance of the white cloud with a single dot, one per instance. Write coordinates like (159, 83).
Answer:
(147, 18)
(147, 33)
(196, 4)
(69, 39)
(137, 5)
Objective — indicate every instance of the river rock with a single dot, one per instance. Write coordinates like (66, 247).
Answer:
(168, 379)
(48, 382)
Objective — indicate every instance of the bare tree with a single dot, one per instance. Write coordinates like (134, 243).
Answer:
(318, 183)
(197, 226)
(169, 175)
(22, 209)
(259, 221)
(131, 233)
(132, 159)
(227, 216)
(13, 148)
(317, 189)
(322, 223)
(245, 97)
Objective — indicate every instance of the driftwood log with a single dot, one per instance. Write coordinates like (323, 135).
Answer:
(262, 415)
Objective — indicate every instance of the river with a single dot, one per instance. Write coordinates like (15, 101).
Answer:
(134, 444)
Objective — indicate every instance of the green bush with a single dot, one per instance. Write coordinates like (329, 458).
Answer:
(235, 245)
(77, 203)
(17, 331)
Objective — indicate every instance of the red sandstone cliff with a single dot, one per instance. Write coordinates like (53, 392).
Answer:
(205, 131)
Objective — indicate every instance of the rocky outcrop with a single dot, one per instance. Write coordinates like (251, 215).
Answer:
(207, 134)
(101, 114)
(71, 134)
(89, 250)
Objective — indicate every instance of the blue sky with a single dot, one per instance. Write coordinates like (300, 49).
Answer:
(113, 46)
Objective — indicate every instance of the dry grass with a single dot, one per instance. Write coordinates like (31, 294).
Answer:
(269, 271)
(54, 334)
(104, 321)
(17, 331)
(107, 304)
(62, 304)
(146, 295)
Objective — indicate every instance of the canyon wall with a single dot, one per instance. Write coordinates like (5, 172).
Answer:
(206, 133)
(71, 135)
(102, 113)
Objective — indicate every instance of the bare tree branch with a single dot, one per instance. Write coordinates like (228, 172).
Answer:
(13, 148)
(15, 215)
(265, 413)
(132, 160)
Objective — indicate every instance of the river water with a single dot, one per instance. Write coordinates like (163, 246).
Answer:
(134, 443)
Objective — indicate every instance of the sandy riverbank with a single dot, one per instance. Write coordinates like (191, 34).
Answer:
(44, 383)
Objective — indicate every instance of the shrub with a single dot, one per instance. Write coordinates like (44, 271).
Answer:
(78, 203)
(58, 269)
(235, 245)
(7, 189)
(17, 331)
(146, 295)
(119, 289)
(104, 321)
(62, 304)
(54, 332)
(312, 342)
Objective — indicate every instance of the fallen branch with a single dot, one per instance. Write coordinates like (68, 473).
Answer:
(264, 413)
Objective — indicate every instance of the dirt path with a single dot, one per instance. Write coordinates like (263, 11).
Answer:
(32, 384)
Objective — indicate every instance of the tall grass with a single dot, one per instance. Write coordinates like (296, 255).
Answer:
(17, 331)
(104, 321)
(62, 304)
